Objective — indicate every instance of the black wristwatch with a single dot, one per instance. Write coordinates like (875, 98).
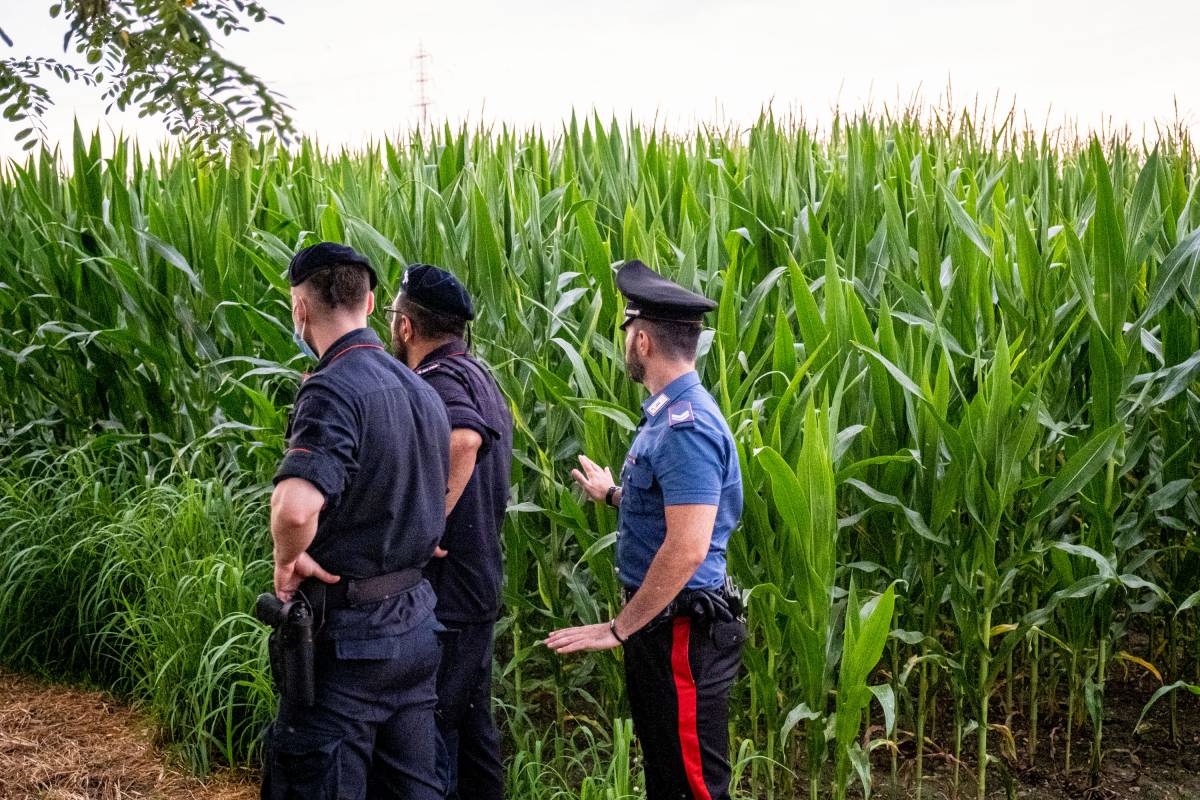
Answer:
(612, 626)
(612, 492)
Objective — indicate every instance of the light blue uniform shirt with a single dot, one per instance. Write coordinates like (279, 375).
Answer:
(683, 454)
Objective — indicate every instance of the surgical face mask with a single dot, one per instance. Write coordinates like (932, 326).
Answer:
(298, 338)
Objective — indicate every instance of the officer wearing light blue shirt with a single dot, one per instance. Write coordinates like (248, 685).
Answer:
(679, 501)
(683, 454)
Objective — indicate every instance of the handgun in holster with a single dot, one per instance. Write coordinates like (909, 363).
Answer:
(733, 597)
(290, 646)
(730, 631)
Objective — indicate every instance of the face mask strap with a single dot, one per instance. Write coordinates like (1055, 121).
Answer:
(298, 337)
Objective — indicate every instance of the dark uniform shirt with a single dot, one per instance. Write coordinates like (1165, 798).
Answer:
(373, 438)
(468, 579)
(683, 454)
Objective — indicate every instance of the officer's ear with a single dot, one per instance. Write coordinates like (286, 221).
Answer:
(298, 315)
(644, 342)
(370, 303)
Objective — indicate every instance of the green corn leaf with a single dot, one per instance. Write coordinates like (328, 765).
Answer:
(1192, 601)
(914, 518)
(964, 223)
(887, 701)
(1162, 692)
(1104, 566)
(1078, 470)
(1181, 263)
(800, 713)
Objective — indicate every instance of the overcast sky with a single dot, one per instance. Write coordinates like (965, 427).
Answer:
(348, 67)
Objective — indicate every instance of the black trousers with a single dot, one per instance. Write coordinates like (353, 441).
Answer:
(471, 760)
(371, 733)
(678, 682)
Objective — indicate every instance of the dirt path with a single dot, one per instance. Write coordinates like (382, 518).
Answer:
(58, 743)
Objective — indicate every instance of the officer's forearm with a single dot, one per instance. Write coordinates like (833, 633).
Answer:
(295, 508)
(464, 448)
(689, 534)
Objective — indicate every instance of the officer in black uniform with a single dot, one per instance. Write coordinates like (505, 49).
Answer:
(357, 509)
(679, 500)
(429, 318)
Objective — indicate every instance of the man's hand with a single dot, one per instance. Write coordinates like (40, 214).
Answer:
(289, 576)
(438, 552)
(585, 637)
(594, 480)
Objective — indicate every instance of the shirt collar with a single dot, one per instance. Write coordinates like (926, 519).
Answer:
(656, 403)
(455, 347)
(359, 337)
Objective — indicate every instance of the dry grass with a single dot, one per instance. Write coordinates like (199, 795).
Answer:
(59, 743)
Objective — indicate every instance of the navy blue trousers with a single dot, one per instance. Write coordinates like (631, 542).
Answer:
(678, 681)
(372, 732)
(471, 760)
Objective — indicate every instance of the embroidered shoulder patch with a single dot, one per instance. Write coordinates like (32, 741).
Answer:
(428, 368)
(681, 414)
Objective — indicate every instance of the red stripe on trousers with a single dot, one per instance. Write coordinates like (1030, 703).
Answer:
(685, 693)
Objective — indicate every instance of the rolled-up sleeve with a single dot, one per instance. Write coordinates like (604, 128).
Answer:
(460, 409)
(323, 442)
(690, 468)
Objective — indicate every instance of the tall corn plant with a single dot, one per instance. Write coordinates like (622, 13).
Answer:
(800, 616)
(797, 613)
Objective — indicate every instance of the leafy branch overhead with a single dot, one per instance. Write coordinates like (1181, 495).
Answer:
(158, 56)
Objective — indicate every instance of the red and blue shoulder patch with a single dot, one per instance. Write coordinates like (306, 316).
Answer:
(681, 415)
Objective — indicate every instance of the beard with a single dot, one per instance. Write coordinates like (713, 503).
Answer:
(635, 366)
(399, 349)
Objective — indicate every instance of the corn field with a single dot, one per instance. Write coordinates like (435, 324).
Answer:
(960, 362)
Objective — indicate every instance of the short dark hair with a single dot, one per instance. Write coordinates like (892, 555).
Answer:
(340, 285)
(429, 324)
(677, 340)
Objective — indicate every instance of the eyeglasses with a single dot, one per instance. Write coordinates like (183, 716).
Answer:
(390, 313)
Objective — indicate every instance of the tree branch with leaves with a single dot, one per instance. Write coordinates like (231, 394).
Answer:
(158, 56)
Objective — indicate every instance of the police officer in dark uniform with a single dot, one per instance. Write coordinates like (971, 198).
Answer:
(357, 509)
(429, 318)
(680, 497)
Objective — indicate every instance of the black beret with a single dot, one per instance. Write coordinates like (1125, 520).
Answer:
(649, 295)
(324, 255)
(438, 290)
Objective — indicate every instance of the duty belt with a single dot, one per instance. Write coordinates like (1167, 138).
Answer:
(361, 592)
(720, 605)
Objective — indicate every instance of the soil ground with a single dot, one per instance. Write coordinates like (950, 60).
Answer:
(1145, 765)
(60, 743)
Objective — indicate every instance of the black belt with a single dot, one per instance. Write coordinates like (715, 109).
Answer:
(721, 603)
(360, 592)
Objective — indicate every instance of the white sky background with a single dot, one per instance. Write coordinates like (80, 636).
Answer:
(348, 67)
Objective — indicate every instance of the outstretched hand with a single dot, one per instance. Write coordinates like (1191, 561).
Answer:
(593, 479)
(582, 638)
